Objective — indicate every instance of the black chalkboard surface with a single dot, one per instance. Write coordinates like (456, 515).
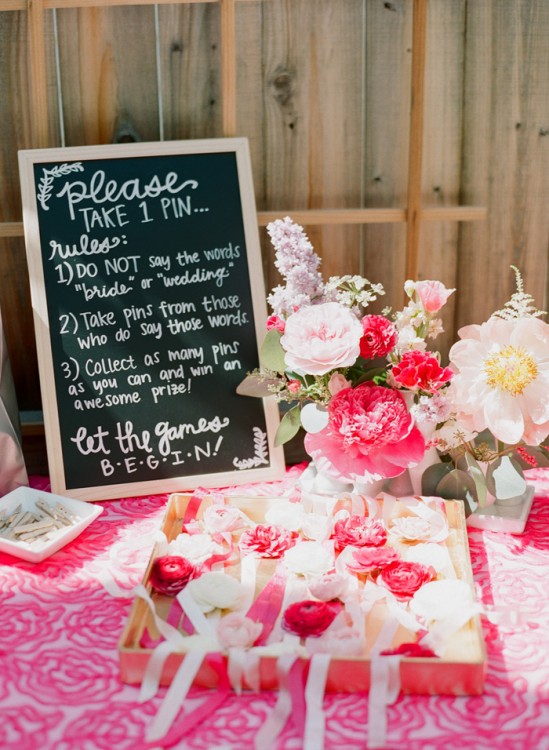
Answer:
(149, 306)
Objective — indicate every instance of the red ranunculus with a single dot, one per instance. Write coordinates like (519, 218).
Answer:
(403, 579)
(372, 560)
(309, 617)
(171, 573)
(379, 337)
(409, 649)
(266, 541)
(358, 531)
(420, 371)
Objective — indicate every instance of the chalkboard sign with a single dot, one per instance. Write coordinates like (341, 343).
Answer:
(149, 306)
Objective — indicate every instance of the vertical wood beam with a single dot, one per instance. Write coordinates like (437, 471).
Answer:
(38, 80)
(415, 156)
(228, 67)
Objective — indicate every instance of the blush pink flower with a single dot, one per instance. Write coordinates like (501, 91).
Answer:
(237, 631)
(379, 337)
(403, 579)
(358, 531)
(274, 321)
(372, 560)
(266, 541)
(320, 338)
(310, 618)
(420, 371)
(432, 294)
(370, 435)
(337, 383)
(293, 385)
(171, 573)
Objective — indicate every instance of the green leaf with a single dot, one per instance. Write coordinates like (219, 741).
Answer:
(458, 485)
(432, 476)
(504, 478)
(255, 386)
(289, 426)
(271, 354)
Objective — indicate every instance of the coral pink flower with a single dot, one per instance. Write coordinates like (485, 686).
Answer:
(420, 371)
(403, 579)
(432, 294)
(266, 541)
(293, 385)
(273, 321)
(370, 435)
(379, 337)
(358, 531)
(372, 560)
(320, 338)
(502, 379)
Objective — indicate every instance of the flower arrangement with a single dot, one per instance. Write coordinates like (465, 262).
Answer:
(369, 393)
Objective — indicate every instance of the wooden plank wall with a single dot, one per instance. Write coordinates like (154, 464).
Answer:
(369, 121)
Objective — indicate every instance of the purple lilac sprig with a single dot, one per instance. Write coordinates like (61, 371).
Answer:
(298, 264)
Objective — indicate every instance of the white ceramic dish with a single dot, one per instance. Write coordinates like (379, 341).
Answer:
(26, 497)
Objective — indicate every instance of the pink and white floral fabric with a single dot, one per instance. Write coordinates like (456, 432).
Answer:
(60, 622)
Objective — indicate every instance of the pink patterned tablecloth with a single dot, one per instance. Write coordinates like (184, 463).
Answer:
(60, 625)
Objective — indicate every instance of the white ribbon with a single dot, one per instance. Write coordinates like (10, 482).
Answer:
(199, 621)
(384, 690)
(278, 717)
(243, 663)
(314, 695)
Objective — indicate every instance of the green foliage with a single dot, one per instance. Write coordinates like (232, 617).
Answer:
(271, 354)
(256, 386)
(289, 426)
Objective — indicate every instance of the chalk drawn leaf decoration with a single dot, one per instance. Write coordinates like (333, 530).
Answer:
(260, 452)
(45, 185)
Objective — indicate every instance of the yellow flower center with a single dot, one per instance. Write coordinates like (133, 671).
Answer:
(511, 370)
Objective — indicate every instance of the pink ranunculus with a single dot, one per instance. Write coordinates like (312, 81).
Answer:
(237, 631)
(370, 435)
(379, 337)
(266, 541)
(274, 321)
(420, 371)
(309, 617)
(171, 573)
(403, 579)
(358, 531)
(337, 383)
(432, 294)
(372, 559)
(320, 338)
(328, 586)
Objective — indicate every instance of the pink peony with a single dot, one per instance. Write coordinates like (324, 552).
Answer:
(370, 435)
(266, 541)
(432, 295)
(320, 338)
(379, 337)
(358, 531)
(372, 560)
(420, 371)
(403, 579)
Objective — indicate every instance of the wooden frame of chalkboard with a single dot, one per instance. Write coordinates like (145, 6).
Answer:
(149, 307)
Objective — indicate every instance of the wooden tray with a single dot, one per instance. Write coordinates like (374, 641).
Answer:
(460, 672)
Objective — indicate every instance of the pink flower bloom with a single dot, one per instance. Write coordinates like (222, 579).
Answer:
(237, 631)
(370, 435)
(420, 371)
(309, 618)
(328, 586)
(293, 386)
(359, 531)
(171, 573)
(415, 650)
(379, 337)
(403, 579)
(502, 379)
(432, 294)
(320, 338)
(266, 541)
(273, 321)
(372, 560)
(337, 383)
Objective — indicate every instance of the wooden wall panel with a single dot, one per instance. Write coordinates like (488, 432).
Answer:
(505, 160)
(108, 74)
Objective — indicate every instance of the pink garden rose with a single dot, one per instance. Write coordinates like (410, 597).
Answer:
(432, 294)
(372, 560)
(171, 573)
(358, 531)
(420, 371)
(309, 617)
(320, 338)
(379, 337)
(370, 435)
(403, 579)
(266, 541)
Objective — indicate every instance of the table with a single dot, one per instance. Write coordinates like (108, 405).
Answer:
(60, 621)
